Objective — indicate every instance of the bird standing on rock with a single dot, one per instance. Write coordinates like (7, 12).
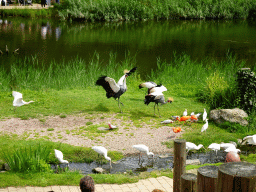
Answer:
(114, 89)
(156, 95)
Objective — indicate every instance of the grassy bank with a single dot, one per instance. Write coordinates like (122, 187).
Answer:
(108, 10)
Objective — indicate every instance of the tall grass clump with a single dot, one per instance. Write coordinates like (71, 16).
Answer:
(28, 159)
(31, 74)
(29, 13)
(109, 10)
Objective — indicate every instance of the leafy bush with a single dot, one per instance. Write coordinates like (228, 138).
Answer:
(234, 127)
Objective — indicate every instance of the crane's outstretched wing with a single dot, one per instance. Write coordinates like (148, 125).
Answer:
(109, 85)
(149, 85)
(17, 98)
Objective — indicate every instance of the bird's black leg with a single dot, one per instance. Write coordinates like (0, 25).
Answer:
(158, 110)
(155, 109)
(119, 105)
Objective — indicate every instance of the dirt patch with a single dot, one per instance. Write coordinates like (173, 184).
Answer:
(71, 130)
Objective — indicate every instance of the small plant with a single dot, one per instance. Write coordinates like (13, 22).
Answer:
(50, 129)
(89, 123)
(42, 120)
(67, 131)
(63, 116)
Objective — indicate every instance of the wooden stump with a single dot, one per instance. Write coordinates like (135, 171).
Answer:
(179, 164)
(207, 178)
(237, 176)
(188, 182)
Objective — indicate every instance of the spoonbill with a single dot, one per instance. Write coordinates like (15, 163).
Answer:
(233, 149)
(226, 145)
(205, 126)
(59, 156)
(204, 115)
(156, 95)
(215, 147)
(102, 151)
(143, 149)
(17, 102)
(114, 89)
(192, 146)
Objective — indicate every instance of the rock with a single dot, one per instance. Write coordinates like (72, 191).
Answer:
(193, 162)
(231, 115)
(7, 167)
(98, 170)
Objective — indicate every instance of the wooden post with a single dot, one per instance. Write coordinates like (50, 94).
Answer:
(188, 182)
(207, 178)
(179, 162)
(237, 176)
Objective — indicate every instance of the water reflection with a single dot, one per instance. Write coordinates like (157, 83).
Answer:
(147, 41)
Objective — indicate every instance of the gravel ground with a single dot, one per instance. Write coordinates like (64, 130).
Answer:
(72, 130)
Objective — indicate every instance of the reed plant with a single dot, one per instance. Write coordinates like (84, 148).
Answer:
(29, 13)
(28, 159)
(109, 10)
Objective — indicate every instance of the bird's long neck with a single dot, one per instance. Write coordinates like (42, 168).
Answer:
(28, 102)
(122, 81)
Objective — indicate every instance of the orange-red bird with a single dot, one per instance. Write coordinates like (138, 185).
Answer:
(176, 129)
(194, 118)
(184, 118)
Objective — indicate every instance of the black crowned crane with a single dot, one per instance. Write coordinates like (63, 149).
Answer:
(114, 89)
(156, 95)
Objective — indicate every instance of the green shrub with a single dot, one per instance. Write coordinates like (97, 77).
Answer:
(234, 127)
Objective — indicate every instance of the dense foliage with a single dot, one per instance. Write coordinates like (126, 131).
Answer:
(107, 10)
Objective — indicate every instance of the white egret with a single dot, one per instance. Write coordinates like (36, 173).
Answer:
(205, 126)
(185, 113)
(204, 115)
(226, 145)
(143, 149)
(250, 139)
(102, 151)
(193, 113)
(18, 101)
(167, 121)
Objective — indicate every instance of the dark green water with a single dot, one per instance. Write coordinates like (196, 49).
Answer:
(50, 40)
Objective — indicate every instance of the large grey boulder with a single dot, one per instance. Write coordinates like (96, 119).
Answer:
(231, 115)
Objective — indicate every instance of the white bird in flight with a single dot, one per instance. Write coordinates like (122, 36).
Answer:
(205, 126)
(59, 156)
(143, 149)
(18, 101)
(102, 151)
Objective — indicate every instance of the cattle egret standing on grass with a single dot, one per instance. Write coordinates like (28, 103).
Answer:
(143, 149)
(102, 151)
(17, 102)
(114, 89)
(204, 115)
(185, 113)
(205, 126)
(59, 156)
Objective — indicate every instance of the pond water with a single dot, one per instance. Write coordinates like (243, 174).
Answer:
(131, 163)
(147, 41)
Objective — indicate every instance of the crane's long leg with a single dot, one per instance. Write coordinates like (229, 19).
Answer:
(158, 110)
(119, 104)
(155, 109)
